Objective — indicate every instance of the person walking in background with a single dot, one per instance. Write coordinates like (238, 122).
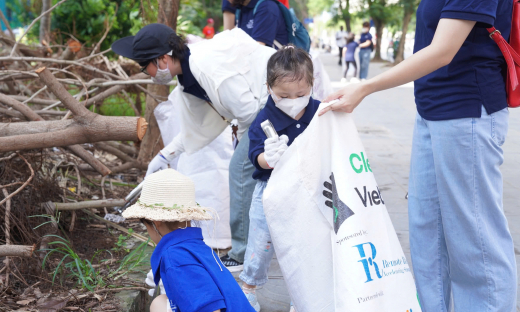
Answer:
(460, 243)
(341, 41)
(366, 46)
(348, 55)
(208, 30)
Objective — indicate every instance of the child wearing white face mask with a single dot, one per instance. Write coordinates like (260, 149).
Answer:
(290, 108)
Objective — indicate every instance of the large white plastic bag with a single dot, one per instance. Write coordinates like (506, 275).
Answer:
(209, 170)
(325, 270)
(322, 86)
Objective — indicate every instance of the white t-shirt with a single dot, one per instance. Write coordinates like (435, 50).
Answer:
(341, 40)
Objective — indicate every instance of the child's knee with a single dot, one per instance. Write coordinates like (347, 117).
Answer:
(159, 304)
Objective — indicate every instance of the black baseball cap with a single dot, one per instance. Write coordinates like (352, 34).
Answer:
(149, 43)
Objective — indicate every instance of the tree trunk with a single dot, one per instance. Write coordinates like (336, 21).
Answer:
(346, 17)
(45, 22)
(406, 21)
(152, 142)
(379, 34)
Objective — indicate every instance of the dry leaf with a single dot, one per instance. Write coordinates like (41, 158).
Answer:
(53, 305)
(71, 308)
(98, 297)
(26, 301)
(38, 293)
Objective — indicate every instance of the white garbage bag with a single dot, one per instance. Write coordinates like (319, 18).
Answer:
(209, 170)
(322, 86)
(336, 245)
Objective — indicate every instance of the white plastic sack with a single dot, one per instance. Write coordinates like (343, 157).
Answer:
(322, 86)
(346, 258)
(209, 170)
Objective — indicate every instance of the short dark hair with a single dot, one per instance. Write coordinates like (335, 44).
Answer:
(291, 63)
(350, 38)
(366, 24)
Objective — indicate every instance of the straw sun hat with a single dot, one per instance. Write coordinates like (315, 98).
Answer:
(169, 196)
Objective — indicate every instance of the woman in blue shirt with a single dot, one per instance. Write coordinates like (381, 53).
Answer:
(459, 238)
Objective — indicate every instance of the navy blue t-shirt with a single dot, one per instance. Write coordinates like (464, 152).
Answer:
(365, 37)
(475, 77)
(226, 6)
(283, 124)
(266, 25)
(188, 81)
(194, 278)
(351, 48)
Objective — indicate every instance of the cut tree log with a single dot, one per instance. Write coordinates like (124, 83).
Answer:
(16, 250)
(87, 127)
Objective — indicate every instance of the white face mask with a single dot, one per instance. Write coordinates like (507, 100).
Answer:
(292, 107)
(365, 30)
(162, 76)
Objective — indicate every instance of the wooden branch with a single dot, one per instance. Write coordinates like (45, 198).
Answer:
(24, 109)
(16, 114)
(38, 101)
(130, 150)
(23, 185)
(82, 153)
(114, 151)
(90, 204)
(6, 23)
(20, 128)
(57, 61)
(32, 24)
(66, 98)
(78, 150)
(16, 251)
(120, 228)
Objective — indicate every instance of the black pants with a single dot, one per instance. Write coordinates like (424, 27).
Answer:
(346, 69)
(340, 54)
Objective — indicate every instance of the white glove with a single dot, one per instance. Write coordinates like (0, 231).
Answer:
(149, 281)
(157, 163)
(274, 149)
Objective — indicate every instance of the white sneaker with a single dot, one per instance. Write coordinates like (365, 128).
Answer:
(354, 80)
(251, 297)
(343, 80)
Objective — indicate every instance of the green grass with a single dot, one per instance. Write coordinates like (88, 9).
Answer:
(117, 105)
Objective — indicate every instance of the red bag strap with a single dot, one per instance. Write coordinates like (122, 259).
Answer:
(509, 53)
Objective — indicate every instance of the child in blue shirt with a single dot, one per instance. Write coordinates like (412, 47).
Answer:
(194, 278)
(348, 55)
(290, 108)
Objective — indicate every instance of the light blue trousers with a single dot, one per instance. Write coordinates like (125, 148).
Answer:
(459, 237)
(241, 187)
(364, 62)
(260, 250)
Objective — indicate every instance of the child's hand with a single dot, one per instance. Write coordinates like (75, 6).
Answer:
(274, 149)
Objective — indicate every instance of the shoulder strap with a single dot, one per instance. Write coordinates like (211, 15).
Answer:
(510, 55)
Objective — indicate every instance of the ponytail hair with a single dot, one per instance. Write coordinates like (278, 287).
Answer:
(290, 64)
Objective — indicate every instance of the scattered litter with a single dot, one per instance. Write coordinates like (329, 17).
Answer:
(114, 218)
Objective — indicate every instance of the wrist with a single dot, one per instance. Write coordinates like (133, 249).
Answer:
(368, 87)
